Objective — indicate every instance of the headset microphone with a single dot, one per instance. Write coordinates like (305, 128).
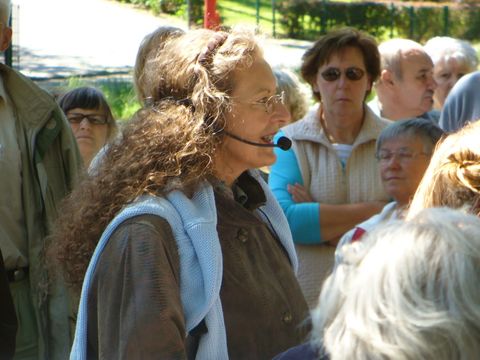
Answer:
(283, 142)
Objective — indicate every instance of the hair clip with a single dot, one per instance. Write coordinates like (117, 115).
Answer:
(214, 43)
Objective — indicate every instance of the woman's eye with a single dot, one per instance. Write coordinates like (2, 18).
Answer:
(445, 75)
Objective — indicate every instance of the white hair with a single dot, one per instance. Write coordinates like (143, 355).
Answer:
(295, 91)
(409, 290)
(5, 6)
(391, 52)
(445, 48)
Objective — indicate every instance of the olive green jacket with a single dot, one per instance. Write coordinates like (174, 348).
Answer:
(51, 164)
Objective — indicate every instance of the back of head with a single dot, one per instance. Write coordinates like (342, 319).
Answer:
(293, 89)
(409, 290)
(453, 177)
(150, 48)
(462, 104)
(392, 51)
(5, 8)
(446, 48)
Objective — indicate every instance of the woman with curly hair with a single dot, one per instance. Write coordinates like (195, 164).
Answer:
(188, 253)
(453, 177)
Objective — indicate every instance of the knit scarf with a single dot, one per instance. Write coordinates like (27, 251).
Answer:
(194, 225)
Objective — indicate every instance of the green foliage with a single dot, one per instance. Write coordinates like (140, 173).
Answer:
(307, 19)
(119, 93)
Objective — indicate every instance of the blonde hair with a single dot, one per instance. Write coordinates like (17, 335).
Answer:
(294, 90)
(150, 48)
(409, 290)
(446, 48)
(453, 177)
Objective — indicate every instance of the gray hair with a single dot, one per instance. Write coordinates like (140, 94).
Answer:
(5, 8)
(444, 47)
(424, 129)
(409, 290)
(391, 52)
(295, 92)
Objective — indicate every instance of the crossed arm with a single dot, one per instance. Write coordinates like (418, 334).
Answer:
(312, 222)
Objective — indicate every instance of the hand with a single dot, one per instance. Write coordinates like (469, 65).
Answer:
(299, 193)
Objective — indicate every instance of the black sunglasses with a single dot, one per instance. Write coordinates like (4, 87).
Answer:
(352, 73)
(94, 119)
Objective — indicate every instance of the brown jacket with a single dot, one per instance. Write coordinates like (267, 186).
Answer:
(134, 305)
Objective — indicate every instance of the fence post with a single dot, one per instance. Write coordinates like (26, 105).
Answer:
(412, 21)
(274, 33)
(446, 20)
(392, 19)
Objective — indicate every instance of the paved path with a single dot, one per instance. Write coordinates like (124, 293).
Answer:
(61, 38)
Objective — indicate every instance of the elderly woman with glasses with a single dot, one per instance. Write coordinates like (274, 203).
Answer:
(91, 119)
(329, 181)
(404, 150)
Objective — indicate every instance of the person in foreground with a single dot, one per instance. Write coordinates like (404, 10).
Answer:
(329, 181)
(404, 149)
(39, 164)
(408, 291)
(91, 120)
(191, 256)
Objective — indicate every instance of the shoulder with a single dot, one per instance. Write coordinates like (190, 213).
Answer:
(375, 119)
(143, 231)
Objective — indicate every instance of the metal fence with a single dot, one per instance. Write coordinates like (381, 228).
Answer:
(409, 19)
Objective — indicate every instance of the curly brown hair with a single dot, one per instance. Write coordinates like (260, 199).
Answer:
(170, 145)
(150, 48)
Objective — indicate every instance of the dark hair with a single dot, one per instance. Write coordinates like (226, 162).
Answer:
(86, 97)
(427, 130)
(334, 42)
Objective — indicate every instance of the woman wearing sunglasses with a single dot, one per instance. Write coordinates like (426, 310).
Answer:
(328, 181)
(91, 119)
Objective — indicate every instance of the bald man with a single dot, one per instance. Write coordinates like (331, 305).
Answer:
(406, 85)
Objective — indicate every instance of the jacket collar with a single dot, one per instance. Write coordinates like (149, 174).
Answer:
(309, 128)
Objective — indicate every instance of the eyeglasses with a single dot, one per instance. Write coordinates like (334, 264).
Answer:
(333, 74)
(269, 102)
(94, 119)
(403, 156)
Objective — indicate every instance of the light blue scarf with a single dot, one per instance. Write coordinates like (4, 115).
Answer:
(194, 225)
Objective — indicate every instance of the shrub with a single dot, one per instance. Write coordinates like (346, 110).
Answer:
(307, 19)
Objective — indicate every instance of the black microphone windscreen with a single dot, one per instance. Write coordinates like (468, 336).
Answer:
(284, 143)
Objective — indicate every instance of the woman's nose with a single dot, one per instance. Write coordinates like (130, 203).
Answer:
(85, 123)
